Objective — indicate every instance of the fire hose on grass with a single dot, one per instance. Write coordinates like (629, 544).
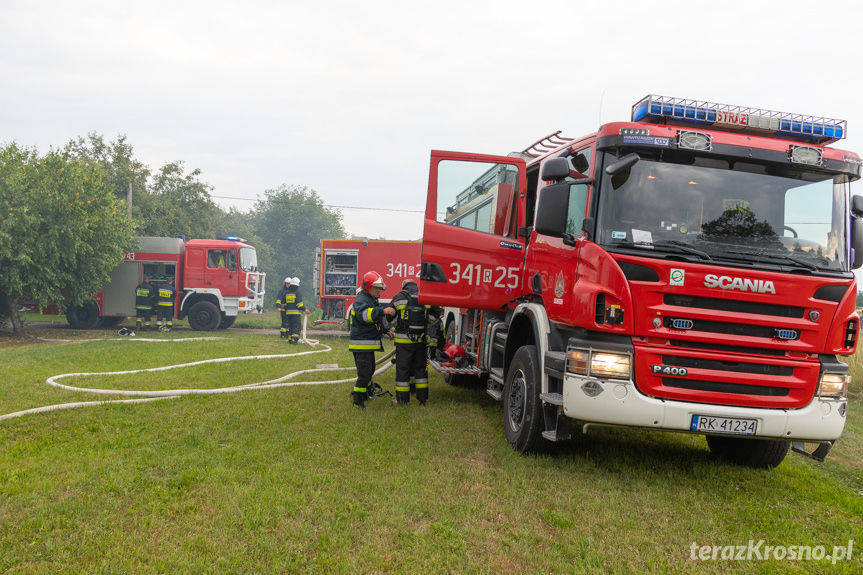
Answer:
(146, 396)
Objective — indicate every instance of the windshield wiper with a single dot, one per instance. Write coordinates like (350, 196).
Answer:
(667, 246)
(766, 256)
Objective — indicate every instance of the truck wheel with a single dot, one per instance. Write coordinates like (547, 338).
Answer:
(204, 316)
(84, 317)
(759, 453)
(227, 321)
(522, 409)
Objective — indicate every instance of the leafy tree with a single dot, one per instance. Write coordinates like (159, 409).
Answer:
(62, 228)
(181, 204)
(121, 170)
(292, 220)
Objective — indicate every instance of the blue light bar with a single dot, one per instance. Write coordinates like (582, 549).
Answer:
(232, 239)
(751, 120)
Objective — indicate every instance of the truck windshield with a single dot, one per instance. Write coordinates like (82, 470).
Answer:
(725, 209)
(248, 259)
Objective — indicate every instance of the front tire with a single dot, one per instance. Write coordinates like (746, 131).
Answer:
(84, 317)
(227, 321)
(522, 408)
(204, 316)
(757, 453)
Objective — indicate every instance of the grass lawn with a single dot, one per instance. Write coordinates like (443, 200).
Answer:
(294, 480)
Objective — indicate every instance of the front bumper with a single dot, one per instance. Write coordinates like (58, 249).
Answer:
(619, 403)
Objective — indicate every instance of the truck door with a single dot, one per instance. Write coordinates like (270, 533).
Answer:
(472, 252)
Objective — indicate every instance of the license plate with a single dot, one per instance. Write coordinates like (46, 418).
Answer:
(730, 425)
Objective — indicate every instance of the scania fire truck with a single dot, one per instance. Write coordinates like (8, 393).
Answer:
(340, 265)
(689, 271)
(215, 281)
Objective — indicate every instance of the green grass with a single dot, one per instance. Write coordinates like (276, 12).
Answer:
(293, 480)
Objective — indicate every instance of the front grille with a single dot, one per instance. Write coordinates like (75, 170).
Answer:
(721, 387)
(733, 306)
(735, 329)
(727, 348)
(728, 366)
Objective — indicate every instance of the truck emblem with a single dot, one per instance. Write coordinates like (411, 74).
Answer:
(742, 284)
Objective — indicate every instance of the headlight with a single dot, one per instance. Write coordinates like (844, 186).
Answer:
(833, 385)
(599, 364)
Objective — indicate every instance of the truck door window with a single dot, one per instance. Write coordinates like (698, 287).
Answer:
(217, 259)
(580, 163)
(477, 196)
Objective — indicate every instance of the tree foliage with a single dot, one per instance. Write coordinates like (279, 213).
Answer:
(292, 220)
(63, 228)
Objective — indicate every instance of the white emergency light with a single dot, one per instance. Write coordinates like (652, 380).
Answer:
(679, 110)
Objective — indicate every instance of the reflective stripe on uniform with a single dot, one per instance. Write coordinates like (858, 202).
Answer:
(365, 344)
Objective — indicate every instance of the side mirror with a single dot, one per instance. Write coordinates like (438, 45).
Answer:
(857, 206)
(623, 163)
(554, 169)
(856, 242)
(552, 208)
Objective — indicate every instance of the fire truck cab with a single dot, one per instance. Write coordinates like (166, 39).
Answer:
(689, 270)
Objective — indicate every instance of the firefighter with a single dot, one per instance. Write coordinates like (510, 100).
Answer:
(368, 324)
(165, 299)
(145, 293)
(411, 321)
(290, 301)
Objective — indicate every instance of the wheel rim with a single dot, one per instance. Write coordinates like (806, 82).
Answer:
(516, 401)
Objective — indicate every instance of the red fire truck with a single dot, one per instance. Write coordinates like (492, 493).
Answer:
(340, 265)
(215, 281)
(689, 270)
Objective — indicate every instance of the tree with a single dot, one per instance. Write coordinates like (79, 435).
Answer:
(292, 220)
(181, 204)
(62, 229)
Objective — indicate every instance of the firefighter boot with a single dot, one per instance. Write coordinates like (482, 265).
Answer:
(402, 398)
(138, 324)
(359, 399)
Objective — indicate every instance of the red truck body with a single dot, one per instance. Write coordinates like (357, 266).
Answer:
(341, 264)
(215, 281)
(688, 271)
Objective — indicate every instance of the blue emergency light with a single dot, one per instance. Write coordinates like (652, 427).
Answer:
(232, 239)
(661, 109)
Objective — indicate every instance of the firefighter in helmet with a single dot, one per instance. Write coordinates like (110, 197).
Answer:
(368, 324)
(290, 303)
(411, 322)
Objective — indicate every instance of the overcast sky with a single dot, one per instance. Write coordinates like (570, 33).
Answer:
(348, 98)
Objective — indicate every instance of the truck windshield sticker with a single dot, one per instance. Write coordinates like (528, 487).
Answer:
(616, 235)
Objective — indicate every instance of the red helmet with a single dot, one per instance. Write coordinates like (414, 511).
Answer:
(373, 279)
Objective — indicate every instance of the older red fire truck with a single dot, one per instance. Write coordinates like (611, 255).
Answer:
(687, 271)
(340, 265)
(215, 281)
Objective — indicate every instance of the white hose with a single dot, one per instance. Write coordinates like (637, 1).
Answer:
(146, 396)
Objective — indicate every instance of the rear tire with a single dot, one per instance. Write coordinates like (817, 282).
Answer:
(84, 317)
(757, 453)
(204, 316)
(522, 408)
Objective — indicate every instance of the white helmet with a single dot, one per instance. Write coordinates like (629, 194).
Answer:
(287, 280)
(295, 281)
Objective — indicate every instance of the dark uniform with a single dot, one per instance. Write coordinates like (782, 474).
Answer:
(290, 302)
(165, 308)
(145, 294)
(411, 323)
(368, 324)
